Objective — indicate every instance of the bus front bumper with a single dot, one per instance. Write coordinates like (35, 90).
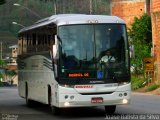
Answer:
(78, 100)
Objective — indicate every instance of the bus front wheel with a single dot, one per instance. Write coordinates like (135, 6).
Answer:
(29, 102)
(110, 109)
(55, 110)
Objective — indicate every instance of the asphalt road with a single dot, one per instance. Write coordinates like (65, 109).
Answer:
(13, 107)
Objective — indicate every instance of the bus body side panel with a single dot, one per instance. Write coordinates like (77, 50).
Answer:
(21, 84)
(38, 75)
(55, 95)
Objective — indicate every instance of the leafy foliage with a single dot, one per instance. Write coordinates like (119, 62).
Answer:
(2, 63)
(19, 14)
(141, 37)
(137, 82)
(45, 8)
(153, 87)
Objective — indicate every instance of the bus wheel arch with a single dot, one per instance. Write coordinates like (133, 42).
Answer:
(55, 110)
(29, 102)
(26, 94)
(26, 90)
(49, 94)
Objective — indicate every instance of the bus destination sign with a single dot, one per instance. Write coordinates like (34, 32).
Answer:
(72, 75)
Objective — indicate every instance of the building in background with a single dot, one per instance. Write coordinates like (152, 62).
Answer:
(11, 67)
(155, 15)
(128, 9)
(6, 40)
(14, 50)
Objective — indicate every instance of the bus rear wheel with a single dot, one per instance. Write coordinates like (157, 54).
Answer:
(110, 109)
(29, 103)
(55, 110)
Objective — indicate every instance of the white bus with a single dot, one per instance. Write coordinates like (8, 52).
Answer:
(59, 62)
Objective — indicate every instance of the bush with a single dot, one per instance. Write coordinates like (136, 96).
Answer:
(137, 82)
(141, 38)
(153, 87)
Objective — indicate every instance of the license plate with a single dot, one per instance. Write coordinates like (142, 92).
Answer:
(97, 100)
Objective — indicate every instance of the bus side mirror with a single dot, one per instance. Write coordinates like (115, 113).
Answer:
(55, 48)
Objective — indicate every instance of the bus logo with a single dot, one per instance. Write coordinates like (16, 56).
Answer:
(84, 86)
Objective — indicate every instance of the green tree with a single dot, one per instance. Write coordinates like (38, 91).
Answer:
(2, 2)
(2, 63)
(141, 37)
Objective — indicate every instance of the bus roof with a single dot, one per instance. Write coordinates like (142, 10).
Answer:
(66, 19)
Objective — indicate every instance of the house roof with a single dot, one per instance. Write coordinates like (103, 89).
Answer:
(13, 46)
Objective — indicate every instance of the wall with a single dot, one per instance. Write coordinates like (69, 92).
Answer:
(128, 9)
(155, 14)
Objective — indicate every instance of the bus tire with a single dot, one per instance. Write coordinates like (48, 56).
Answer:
(110, 109)
(55, 110)
(29, 102)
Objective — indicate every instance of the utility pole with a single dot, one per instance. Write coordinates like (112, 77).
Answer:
(55, 7)
(90, 7)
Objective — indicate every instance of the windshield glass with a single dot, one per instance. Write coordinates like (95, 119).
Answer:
(93, 51)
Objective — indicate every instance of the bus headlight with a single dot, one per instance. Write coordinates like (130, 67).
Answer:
(124, 101)
(66, 104)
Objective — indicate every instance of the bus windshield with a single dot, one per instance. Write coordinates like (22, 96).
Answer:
(97, 51)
